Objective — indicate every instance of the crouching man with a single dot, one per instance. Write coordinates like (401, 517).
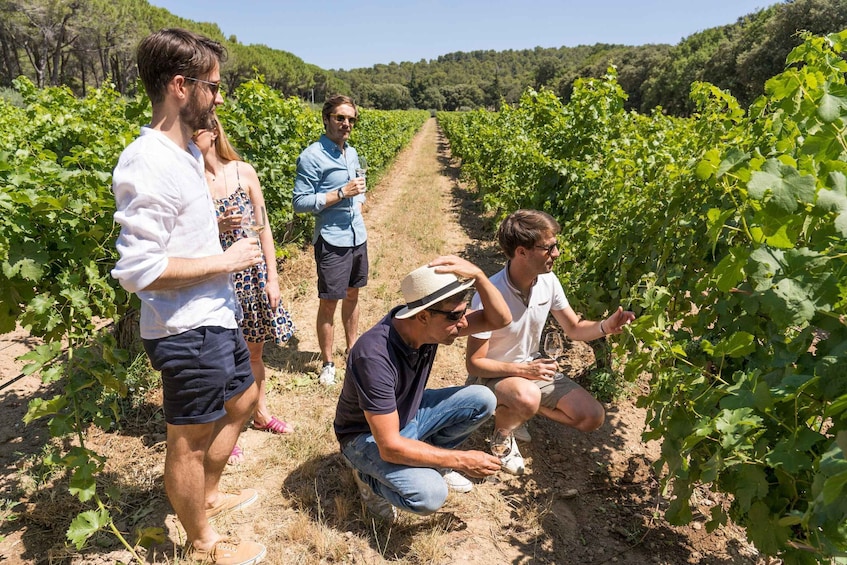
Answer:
(400, 437)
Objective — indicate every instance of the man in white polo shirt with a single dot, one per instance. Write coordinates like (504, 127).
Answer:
(506, 360)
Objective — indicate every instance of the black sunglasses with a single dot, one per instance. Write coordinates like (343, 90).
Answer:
(548, 249)
(452, 315)
(213, 86)
(341, 119)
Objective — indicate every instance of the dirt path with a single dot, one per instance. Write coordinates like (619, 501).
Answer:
(309, 509)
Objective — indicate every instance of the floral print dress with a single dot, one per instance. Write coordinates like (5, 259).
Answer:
(261, 323)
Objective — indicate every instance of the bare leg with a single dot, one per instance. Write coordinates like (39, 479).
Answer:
(226, 432)
(262, 415)
(326, 318)
(184, 473)
(518, 400)
(196, 455)
(350, 316)
(577, 409)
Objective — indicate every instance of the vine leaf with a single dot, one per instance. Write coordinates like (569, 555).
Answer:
(86, 525)
(768, 534)
(833, 103)
(783, 184)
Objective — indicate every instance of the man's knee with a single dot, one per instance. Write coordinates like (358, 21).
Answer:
(522, 400)
(244, 403)
(352, 295)
(592, 417)
(326, 308)
(484, 398)
(429, 498)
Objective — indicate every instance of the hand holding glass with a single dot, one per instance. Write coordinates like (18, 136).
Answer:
(362, 169)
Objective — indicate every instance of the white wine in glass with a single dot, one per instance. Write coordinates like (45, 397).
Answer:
(250, 224)
(554, 346)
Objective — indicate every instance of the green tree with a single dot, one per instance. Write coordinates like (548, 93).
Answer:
(546, 71)
(390, 97)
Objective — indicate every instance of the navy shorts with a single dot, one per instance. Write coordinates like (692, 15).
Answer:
(201, 370)
(340, 268)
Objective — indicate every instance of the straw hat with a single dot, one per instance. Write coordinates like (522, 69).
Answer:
(423, 287)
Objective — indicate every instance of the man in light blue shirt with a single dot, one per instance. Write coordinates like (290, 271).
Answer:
(327, 186)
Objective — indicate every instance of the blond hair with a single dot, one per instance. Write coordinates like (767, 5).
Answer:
(223, 147)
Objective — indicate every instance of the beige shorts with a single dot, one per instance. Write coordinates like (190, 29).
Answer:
(551, 391)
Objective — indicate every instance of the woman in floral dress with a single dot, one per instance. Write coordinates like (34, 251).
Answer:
(236, 191)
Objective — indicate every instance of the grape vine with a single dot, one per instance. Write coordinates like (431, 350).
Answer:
(727, 233)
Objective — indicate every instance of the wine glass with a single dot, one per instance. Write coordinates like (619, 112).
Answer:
(501, 444)
(554, 347)
(362, 169)
(250, 224)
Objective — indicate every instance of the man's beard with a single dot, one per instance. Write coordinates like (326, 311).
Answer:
(195, 116)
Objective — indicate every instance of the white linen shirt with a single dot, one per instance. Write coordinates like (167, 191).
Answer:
(164, 208)
(517, 342)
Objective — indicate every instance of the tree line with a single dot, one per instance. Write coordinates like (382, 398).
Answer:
(84, 43)
(738, 57)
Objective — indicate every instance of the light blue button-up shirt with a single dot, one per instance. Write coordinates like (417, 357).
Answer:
(323, 168)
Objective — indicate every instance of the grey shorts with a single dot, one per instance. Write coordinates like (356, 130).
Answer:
(551, 391)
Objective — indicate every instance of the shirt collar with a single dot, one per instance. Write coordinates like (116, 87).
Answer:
(193, 153)
(514, 289)
(330, 146)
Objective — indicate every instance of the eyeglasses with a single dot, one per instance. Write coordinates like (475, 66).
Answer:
(213, 86)
(341, 119)
(452, 315)
(548, 249)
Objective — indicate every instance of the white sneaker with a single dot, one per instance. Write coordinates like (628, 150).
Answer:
(512, 462)
(521, 433)
(455, 481)
(327, 376)
(374, 503)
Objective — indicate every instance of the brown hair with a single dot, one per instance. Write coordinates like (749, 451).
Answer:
(334, 102)
(524, 228)
(169, 52)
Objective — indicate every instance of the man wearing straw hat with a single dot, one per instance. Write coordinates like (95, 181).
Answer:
(398, 436)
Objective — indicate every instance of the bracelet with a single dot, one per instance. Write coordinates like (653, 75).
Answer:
(341, 193)
(602, 331)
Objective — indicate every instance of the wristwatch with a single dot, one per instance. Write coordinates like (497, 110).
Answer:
(341, 193)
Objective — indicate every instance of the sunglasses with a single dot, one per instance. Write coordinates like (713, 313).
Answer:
(548, 249)
(213, 86)
(452, 315)
(341, 119)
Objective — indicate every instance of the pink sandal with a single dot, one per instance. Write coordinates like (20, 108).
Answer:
(236, 457)
(275, 426)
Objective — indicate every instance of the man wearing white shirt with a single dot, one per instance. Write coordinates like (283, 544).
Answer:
(506, 360)
(170, 256)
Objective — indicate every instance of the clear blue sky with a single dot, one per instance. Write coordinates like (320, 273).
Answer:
(346, 35)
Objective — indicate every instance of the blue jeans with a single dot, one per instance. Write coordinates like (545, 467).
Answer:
(446, 418)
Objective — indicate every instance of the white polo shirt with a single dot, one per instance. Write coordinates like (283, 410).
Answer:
(164, 208)
(520, 339)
